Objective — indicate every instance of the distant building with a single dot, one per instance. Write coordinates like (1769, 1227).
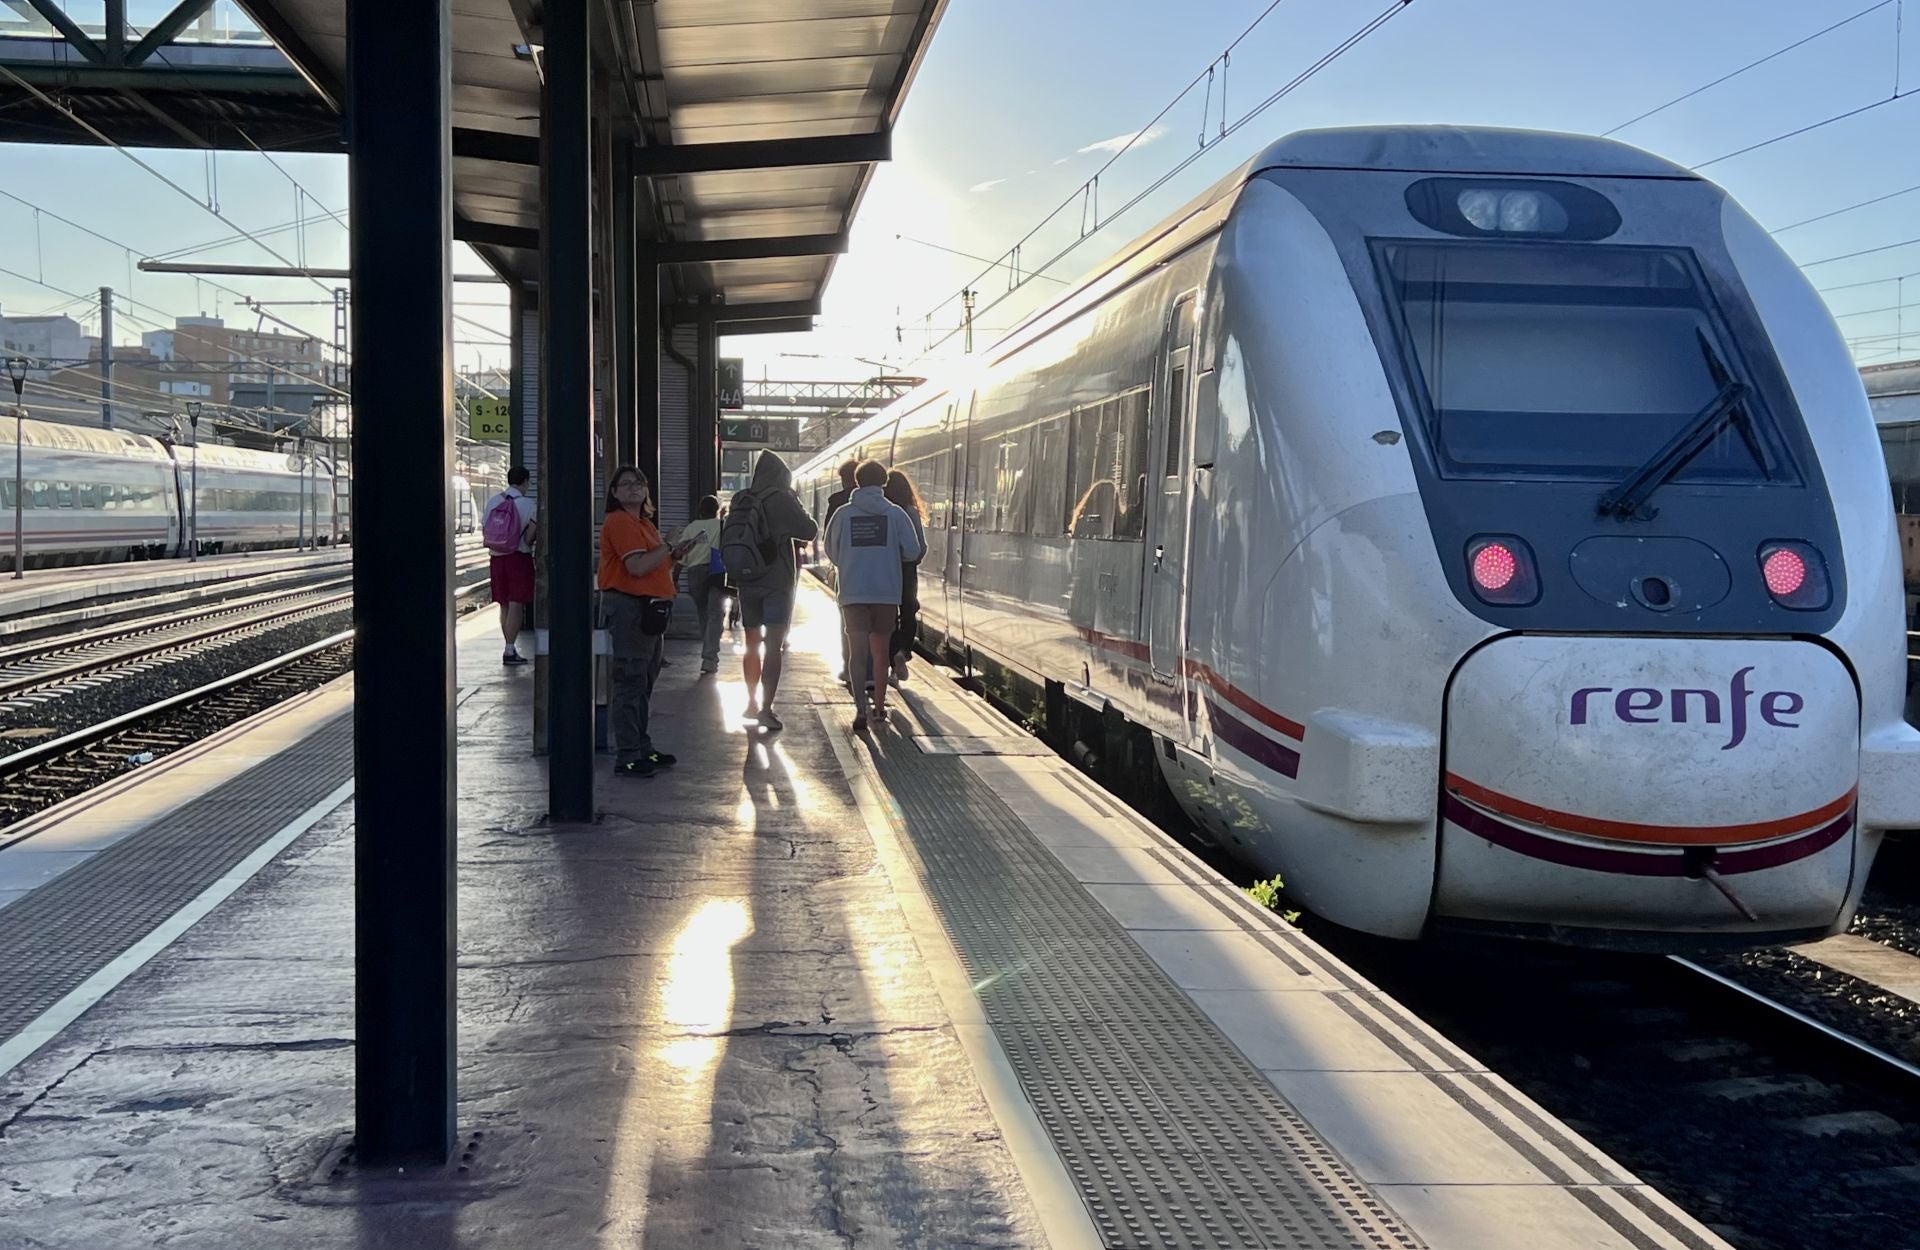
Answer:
(49, 342)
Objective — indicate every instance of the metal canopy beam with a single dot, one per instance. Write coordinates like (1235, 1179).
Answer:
(489, 234)
(776, 325)
(167, 29)
(400, 188)
(695, 250)
(494, 145)
(69, 30)
(696, 314)
(666, 161)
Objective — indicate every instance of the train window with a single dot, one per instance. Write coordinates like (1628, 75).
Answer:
(7, 492)
(1107, 469)
(1556, 360)
(83, 495)
(1010, 500)
(1176, 415)
(1047, 476)
(63, 494)
(39, 495)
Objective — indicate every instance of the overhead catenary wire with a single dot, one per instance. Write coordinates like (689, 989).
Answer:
(1334, 54)
(1089, 188)
(102, 137)
(1755, 64)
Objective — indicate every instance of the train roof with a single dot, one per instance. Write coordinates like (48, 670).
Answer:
(1474, 150)
(1466, 150)
(56, 436)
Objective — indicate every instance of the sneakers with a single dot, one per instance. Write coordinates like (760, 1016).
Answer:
(770, 722)
(660, 759)
(860, 723)
(880, 716)
(900, 668)
(512, 657)
(634, 768)
(708, 669)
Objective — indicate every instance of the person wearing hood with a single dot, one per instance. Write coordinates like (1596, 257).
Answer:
(766, 601)
(868, 541)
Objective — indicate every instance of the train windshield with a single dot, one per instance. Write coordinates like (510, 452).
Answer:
(1576, 361)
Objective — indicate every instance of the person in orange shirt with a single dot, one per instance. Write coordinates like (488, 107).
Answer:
(636, 600)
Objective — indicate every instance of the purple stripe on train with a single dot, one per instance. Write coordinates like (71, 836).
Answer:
(1253, 744)
(1637, 863)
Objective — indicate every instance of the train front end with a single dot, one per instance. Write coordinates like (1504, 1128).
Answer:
(1658, 524)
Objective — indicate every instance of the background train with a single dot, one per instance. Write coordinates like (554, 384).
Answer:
(92, 495)
(1482, 529)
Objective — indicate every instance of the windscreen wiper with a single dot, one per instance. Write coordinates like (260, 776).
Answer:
(1626, 499)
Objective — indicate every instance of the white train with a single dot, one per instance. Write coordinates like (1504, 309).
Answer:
(98, 495)
(1482, 529)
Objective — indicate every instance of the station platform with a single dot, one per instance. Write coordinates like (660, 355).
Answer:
(923, 987)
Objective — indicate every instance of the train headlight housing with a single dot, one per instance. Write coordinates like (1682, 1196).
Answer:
(1795, 575)
(1502, 570)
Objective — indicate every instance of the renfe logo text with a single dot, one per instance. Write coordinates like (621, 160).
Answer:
(1643, 705)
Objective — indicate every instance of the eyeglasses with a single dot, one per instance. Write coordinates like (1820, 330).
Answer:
(630, 482)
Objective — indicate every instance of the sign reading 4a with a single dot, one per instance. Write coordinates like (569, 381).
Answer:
(733, 391)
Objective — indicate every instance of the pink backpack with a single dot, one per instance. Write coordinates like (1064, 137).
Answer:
(502, 529)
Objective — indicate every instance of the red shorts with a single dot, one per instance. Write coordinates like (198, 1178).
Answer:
(512, 577)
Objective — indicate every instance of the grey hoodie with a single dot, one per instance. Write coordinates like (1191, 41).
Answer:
(867, 541)
(787, 521)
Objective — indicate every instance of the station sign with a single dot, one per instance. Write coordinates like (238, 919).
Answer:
(744, 430)
(733, 390)
(488, 419)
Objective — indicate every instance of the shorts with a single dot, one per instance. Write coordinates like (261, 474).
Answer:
(870, 618)
(512, 577)
(761, 607)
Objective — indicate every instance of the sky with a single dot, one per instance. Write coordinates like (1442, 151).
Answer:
(1019, 103)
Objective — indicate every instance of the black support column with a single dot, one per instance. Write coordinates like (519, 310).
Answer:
(646, 361)
(400, 164)
(620, 223)
(567, 374)
(704, 435)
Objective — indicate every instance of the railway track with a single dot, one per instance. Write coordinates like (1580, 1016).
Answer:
(41, 775)
(1779, 1131)
(114, 697)
(37, 671)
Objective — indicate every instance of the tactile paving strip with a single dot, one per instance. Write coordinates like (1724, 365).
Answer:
(1173, 1137)
(68, 929)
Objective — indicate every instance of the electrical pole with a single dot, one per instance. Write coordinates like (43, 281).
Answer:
(193, 545)
(17, 374)
(106, 358)
(966, 302)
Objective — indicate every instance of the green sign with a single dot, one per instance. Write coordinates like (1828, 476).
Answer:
(488, 419)
(733, 391)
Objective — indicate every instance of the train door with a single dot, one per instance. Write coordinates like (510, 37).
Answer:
(1167, 488)
(955, 426)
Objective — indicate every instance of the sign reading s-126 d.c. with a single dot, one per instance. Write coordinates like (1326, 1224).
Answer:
(487, 419)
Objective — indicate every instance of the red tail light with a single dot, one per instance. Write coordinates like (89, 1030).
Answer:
(1795, 575)
(1502, 571)
(1494, 567)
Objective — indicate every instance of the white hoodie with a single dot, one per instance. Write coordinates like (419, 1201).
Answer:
(868, 540)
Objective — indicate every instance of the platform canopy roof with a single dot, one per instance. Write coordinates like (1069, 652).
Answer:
(753, 125)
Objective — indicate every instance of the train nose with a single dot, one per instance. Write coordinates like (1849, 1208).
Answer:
(1703, 784)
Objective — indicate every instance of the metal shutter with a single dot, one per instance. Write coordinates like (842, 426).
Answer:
(676, 420)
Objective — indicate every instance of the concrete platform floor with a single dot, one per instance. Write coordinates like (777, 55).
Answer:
(699, 1022)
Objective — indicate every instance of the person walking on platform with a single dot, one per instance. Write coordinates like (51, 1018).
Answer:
(757, 541)
(507, 528)
(707, 578)
(870, 541)
(899, 491)
(836, 501)
(636, 601)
